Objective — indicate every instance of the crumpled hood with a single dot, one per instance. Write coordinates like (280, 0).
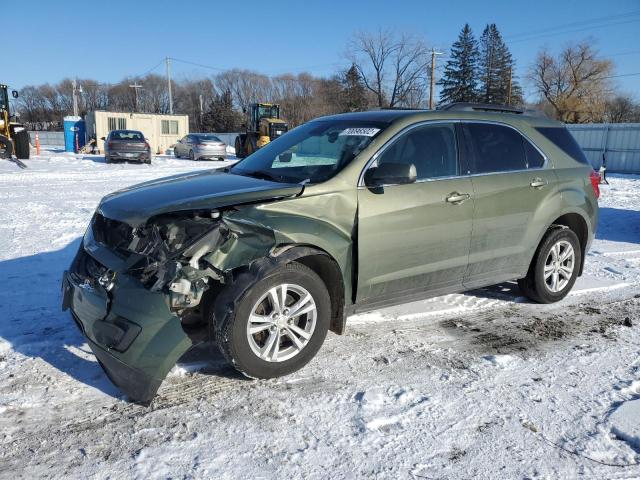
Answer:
(190, 191)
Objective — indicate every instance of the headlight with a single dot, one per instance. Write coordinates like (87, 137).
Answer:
(166, 236)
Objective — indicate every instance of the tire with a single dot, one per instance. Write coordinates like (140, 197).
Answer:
(542, 290)
(21, 141)
(175, 153)
(238, 147)
(241, 299)
(6, 147)
(191, 155)
(252, 146)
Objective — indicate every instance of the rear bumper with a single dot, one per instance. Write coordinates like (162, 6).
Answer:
(206, 153)
(128, 156)
(131, 331)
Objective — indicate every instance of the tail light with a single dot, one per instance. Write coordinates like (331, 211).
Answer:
(595, 182)
(146, 144)
(110, 144)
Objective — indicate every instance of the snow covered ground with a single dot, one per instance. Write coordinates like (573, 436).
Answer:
(481, 385)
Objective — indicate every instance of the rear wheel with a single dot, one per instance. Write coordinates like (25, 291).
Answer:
(191, 155)
(274, 326)
(238, 147)
(251, 145)
(6, 147)
(554, 268)
(21, 141)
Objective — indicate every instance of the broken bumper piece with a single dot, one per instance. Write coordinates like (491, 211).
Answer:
(134, 335)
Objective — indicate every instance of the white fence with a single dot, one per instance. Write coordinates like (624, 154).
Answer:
(618, 142)
(50, 139)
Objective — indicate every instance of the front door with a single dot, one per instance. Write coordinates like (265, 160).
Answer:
(511, 179)
(415, 238)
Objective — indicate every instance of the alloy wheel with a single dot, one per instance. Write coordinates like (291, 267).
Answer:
(559, 266)
(282, 323)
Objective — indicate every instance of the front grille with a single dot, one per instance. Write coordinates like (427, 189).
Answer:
(111, 233)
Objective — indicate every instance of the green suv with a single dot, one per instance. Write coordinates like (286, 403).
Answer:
(343, 214)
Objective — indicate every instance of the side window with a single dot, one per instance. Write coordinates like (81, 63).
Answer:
(561, 137)
(496, 148)
(534, 157)
(431, 148)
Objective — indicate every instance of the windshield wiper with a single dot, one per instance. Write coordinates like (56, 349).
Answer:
(261, 175)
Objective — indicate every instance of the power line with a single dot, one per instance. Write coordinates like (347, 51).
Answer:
(623, 75)
(563, 32)
(196, 64)
(606, 18)
(152, 68)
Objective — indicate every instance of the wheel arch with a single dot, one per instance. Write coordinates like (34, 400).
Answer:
(313, 257)
(575, 221)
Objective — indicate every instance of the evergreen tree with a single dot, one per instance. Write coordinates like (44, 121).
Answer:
(496, 72)
(460, 79)
(220, 116)
(354, 93)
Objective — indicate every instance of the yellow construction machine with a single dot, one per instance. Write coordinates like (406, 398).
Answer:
(14, 138)
(264, 125)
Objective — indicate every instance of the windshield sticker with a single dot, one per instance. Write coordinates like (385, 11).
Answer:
(360, 132)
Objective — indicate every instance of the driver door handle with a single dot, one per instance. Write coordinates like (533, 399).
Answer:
(538, 183)
(457, 198)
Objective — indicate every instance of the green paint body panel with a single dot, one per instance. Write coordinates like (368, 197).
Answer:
(389, 243)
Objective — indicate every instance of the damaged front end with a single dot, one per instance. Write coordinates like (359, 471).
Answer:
(168, 253)
(137, 292)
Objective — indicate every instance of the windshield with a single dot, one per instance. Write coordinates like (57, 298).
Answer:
(265, 111)
(208, 138)
(312, 153)
(126, 135)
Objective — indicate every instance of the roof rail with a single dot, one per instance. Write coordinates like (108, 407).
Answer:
(486, 107)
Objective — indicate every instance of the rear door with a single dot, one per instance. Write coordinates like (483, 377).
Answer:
(415, 238)
(511, 179)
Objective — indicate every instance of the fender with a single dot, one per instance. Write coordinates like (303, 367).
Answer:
(570, 200)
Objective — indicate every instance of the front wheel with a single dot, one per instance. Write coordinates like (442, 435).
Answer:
(191, 155)
(278, 323)
(21, 140)
(6, 147)
(554, 268)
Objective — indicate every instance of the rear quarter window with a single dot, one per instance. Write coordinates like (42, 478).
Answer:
(562, 139)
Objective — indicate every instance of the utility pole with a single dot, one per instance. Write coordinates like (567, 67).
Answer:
(135, 87)
(433, 76)
(169, 85)
(509, 87)
(74, 94)
(201, 111)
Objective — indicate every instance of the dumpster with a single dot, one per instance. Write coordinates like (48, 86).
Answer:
(74, 133)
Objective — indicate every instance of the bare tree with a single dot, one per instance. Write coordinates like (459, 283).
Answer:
(575, 83)
(393, 67)
(621, 109)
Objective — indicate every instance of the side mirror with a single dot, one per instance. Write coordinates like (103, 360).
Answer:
(284, 157)
(102, 138)
(14, 93)
(390, 174)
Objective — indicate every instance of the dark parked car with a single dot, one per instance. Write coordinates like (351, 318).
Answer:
(343, 214)
(126, 145)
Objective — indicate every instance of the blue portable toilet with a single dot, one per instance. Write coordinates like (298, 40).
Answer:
(74, 127)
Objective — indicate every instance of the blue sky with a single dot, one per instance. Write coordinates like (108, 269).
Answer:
(54, 40)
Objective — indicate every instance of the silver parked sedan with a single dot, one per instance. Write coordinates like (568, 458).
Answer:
(199, 146)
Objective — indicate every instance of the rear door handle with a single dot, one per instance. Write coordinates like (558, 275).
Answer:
(457, 198)
(538, 183)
